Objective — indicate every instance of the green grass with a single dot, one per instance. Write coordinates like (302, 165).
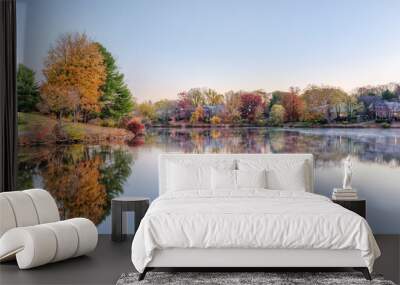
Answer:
(75, 132)
(29, 121)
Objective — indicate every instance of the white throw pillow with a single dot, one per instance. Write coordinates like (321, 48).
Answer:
(251, 178)
(223, 179)
(282, 174)
(183, 177)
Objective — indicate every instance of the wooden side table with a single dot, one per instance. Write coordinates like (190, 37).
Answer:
(357, 206)
(119, 206)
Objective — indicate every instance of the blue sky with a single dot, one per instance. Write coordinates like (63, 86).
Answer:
(167, 46)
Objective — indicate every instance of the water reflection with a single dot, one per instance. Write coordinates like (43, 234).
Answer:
(328, 145)
(84, 179)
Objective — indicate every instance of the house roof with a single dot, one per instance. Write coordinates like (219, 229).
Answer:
(385, 106)
(393, 106)
(367, 100)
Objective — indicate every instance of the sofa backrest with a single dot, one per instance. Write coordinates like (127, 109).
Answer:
(26, 208)
(286, 169)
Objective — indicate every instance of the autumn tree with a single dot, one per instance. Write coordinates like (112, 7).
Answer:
(147, 111)
(250, 106)
(196, 97)
(276, 98)
(184, 101)
(277, 115)
(352, 106)
(323, 101)
(116, 99)
(197, 115)
(215, 120)
(184, 106)
(293, 104)
(213, 97)
(59, 100)
(74, 63)
(27, 89)
(315, 103)
(337, 99)
(231, 114)
(165, 109)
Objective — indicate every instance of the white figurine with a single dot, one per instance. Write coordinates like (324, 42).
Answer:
(347, 173)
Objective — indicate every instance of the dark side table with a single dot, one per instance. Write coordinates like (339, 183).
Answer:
(357, 206)
(119, 206)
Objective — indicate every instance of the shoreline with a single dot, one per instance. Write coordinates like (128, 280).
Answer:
(293, 126)
(35, 129)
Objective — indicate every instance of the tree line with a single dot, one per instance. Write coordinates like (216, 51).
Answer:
(315, 104)
(82, 83)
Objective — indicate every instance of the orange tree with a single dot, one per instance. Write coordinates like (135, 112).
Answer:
(293, 104)
(197, 115)
(74, 63)
(323, 102)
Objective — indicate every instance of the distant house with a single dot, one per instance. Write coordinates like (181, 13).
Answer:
(212, 110)
(385, 110)
(394, 109)
(368, 101)
(183, 113)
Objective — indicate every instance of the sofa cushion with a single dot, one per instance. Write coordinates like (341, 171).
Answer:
(26, 208)
(45, 205)
(7, 220)
(23, 208)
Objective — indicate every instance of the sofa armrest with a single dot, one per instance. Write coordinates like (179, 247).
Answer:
(40, 244)
(32, 246)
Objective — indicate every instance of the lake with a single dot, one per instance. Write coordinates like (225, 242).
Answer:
(84, 178)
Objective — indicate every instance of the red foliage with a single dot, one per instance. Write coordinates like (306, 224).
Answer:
(43, 133)
(294, 106)
(251, 106)
(184, 101)
(138, 141)
(135, 126)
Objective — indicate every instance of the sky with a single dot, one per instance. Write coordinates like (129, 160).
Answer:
(167, 46)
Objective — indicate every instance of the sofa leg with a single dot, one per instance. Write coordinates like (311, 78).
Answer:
(365, 272)
(142, 275)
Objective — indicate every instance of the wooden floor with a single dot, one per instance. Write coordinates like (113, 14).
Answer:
(111, 259)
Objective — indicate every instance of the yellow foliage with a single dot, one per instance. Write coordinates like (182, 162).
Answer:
(77, 188)
(73, 66)
(277, 114)
(197, 115)
(215, 120)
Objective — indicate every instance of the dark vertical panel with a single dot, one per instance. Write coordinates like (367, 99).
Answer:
(8, 100)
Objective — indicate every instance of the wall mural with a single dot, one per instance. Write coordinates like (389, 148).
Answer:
(92, 118)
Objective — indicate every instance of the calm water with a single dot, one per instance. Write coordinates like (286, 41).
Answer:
(84, 179)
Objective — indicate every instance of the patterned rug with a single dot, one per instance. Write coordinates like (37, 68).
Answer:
(269, 278)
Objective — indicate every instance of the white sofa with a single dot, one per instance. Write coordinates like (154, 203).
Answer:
(31, 230)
